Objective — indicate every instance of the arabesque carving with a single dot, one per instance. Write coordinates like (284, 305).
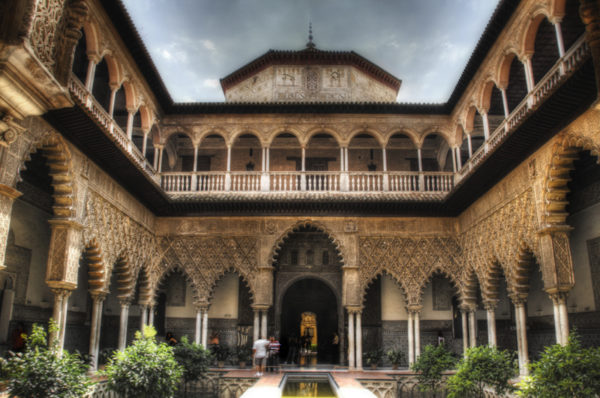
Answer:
(206, 259)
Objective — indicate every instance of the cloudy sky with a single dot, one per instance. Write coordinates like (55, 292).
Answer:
(425, 43)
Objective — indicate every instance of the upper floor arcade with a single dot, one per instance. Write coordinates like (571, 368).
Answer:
(530, 73)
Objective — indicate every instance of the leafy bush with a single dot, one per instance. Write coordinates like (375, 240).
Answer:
(395, 356)
(144, 369)
(243, 353)
(194, 359)
(564, 371)
(430, 364)
(482, 367)
(43, 371)
(373, 357)
(221, 352)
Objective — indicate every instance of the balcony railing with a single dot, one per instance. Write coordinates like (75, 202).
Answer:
(307, 181)
(555, 77)
(110, 127)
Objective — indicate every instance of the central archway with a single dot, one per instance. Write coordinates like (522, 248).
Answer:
(314, 296)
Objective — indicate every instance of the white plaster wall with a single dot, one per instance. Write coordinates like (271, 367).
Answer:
(393, 306)
(586, 224)
(427, 312)
(224, 303)
(31, 230)
(186, 311)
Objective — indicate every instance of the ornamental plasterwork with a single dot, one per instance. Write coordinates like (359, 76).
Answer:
(500, 238)
(46, 18)
(206, 259)
(411, 261)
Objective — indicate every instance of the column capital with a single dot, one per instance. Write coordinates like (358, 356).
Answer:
(414, 308)
(517, 299)
(98, 296)
(9, 192)
(260, 307)
(490, 305)
(467, 307)
(63, 291)
(550, 229)
(125, 302)
(558, 297)
(114, 86)
(65, 223)
(354, 309)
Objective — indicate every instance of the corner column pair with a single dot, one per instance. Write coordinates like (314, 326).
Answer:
(201, 332)
(354, 337)
(260, 321)
(414, 332)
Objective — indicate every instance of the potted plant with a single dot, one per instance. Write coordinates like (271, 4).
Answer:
(243, 354)
(395, 356)
(222, 353)
(372, 358)
(144, 369)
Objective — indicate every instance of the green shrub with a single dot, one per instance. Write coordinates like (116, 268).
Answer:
(482, 367)
(373, 357)
(221, 352)
(564, 371)
(194, 359)
(395, 356)
(430, 364)
(43, 371)
(243, 353)
(145, 369)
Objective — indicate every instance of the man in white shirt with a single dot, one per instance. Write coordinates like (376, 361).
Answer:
(259, 350)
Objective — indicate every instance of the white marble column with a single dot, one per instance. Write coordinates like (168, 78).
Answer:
(358, 315)
(59, 314)
(417, 328)
(91, 71)
(458, 158)
(411, 338)
(7, 198)
(205, 327)
(470, 144)
(454, 161)
(521, 321)
(486, 126)
(256, 329)
(113, 94)
(143, 316)
(420, 159)
(384, 157)
(528, 74)
(491, 323)
(160, 158)
(198, 330)
(505, 102)
(123, 325)
(130, 115)
(151, 315)
(263, 327)
(559, 38)
(97, 300)
(351, 334)
(472, 327)
(465, 329)
(561, 317)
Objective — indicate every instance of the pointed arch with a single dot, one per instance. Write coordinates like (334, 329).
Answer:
(207, 297)
(306, 224)
(416, 298)
(58, 157)
(147, 294)
(96, 270)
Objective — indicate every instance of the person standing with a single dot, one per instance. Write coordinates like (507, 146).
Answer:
(273, 359)
(259, 352)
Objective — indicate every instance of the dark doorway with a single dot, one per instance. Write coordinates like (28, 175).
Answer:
(311, 295)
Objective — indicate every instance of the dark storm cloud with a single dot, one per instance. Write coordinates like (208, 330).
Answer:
(426, 43)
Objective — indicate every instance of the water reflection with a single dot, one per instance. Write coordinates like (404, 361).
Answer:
(320, 388)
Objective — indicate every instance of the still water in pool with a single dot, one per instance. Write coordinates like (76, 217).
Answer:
(297, 388)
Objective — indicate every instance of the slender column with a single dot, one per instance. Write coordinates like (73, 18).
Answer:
(303, 169)
(505, 102)
(155, 163)
(491, 323)
(454, 161)
(458, 158)
(256, 330)
(228, 158)
(342, 159)
(420, 159)
(561, 317)
(465, 329)
(91, 71)
(98, 300)
(113, 94)
(417, 327)
(559, 38)
(521, 321)
(61, 306)
(303, 166)
(160, 159)
(346, 159)
(528, 74)
(151, 314)
(384, 157)
(358, 340)
(205, 327)
(472, 328)
(123, 325)
(197, 331)
(143, 316)
(7, 198)
(263, 330)
(268, 158)
(195, 158)
(486, 126)
(351, 332)
(411, 338)
(470, 144)
(130, 115)
(145, 143)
